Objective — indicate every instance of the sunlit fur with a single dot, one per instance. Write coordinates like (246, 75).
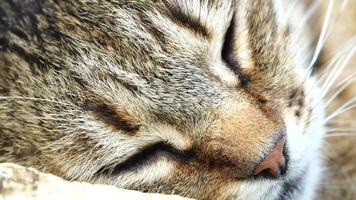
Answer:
(85, 85)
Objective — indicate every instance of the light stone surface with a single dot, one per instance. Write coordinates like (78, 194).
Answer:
(20, 183)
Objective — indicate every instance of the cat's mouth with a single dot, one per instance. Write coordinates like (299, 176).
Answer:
(292, 186)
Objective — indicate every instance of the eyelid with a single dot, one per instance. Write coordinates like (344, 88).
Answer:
(227, 53)
(171, 135)
(147, 154)
(228, 47)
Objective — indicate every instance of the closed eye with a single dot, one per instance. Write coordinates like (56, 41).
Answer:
(227, 53)
(228, 48)
(147, 156)
(186, 21)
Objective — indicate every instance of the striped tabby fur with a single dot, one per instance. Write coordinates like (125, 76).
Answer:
(172, 96)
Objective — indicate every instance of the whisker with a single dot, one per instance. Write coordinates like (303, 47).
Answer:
(309, 69)
(327, 73)
(326, 87)
(60, 119)
(340, 135)
(34, 99)
(331, 67)
(351, 76)
(342, 130)
(341, 52)
(320, 99)
(343, 108)
(323, 34)
(342, 88)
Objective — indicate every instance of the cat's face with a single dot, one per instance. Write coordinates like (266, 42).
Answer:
(182, 97)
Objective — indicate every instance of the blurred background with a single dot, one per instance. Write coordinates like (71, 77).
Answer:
(340, 147)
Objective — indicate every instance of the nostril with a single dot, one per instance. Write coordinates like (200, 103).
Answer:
(275, 172)
(274, 165)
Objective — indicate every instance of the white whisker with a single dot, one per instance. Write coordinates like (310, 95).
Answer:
(346, 47)
(327, 74)
(323, 35)
(332, 66)
(345, 107)
(342, 88)
(342, 130)
(351, 76)
(33, 99)
(326, 87)
(76, 120)
(340, 135)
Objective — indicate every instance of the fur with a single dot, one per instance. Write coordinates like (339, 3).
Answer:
(177, 97)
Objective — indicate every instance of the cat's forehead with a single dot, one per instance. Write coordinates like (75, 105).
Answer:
(190, 30)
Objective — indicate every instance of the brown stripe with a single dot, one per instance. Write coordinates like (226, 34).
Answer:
(111, 116)
(183, 20)
(228, 55)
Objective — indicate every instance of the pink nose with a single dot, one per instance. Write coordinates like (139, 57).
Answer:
(275, 163)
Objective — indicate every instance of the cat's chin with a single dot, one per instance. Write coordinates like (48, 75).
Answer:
(304, 185)
(301, 186)
(301, 179)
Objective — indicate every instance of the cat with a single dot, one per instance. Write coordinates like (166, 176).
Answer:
(205, 99)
